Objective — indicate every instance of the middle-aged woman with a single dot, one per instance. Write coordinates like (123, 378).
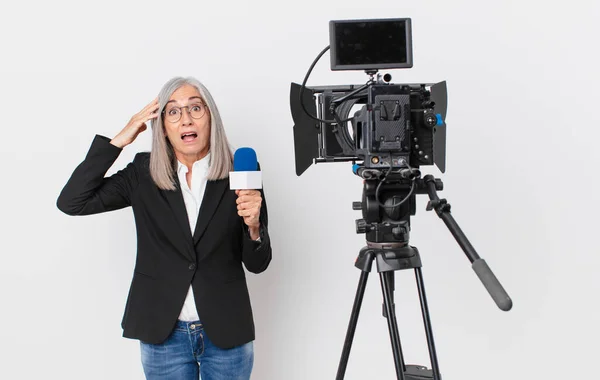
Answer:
(188, 302)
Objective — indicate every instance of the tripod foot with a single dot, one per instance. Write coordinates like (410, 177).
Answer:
(418, 372)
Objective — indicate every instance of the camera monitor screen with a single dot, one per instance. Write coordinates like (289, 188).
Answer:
(370, 44)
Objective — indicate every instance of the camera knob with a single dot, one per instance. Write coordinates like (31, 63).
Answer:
(399, 233)
(430, 119)
(356, 205)
(361, 226)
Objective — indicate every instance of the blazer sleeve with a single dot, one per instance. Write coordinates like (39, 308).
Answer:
(88, 192)
(257, 255)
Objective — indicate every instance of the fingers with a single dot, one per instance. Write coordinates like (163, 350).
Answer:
(253, 212)
(251, 218)
(153, 109)
(248, 207)
(247, 192)
(248, 204)
(152, 115)
(252, 222)
(153, 105)
(248, 199)
(248, 196)
(150, 111)
(137, 124)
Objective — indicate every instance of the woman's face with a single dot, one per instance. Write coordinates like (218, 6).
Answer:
(187, 124)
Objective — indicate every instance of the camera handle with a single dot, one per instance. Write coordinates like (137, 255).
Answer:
(483, 271)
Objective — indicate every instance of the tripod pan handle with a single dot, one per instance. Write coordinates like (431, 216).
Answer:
(492, 284)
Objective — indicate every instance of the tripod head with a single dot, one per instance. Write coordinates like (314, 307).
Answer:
(388, 202)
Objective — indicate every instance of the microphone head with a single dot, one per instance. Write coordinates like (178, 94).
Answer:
(244, 160)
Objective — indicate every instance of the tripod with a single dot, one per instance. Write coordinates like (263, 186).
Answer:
(387, 245)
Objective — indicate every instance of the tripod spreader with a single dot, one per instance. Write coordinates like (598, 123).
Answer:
(483, 271)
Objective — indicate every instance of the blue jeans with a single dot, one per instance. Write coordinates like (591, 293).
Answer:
(188, 353)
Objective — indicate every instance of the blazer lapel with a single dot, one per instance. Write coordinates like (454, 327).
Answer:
(175, 199)
(212, 197)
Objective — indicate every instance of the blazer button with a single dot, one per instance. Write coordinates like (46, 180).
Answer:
(192, 266)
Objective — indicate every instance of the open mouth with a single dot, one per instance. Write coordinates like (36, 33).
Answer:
(189, 136)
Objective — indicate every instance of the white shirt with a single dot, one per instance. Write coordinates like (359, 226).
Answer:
(192, 197)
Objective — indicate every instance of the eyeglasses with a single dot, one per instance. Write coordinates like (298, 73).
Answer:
(173, 113)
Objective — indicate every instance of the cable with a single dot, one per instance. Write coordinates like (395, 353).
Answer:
(343, 136)
(304, 86)
(412, 189)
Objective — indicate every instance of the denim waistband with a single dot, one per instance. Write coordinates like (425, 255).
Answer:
(188, 326)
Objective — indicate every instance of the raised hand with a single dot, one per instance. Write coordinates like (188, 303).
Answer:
(136, 125)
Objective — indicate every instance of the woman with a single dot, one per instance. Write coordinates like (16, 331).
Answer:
(188, 303)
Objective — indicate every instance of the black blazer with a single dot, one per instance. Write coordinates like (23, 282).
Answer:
(169, 256)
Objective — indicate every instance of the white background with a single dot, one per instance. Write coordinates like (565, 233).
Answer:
(521, 176)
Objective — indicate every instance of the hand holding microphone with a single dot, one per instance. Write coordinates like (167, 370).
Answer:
(246, 179)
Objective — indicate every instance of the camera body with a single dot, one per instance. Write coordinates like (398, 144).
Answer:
(397, 125)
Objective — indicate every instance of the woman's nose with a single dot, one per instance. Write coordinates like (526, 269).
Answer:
(186, 118)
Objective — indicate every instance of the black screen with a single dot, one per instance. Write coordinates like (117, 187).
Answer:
(373, 44)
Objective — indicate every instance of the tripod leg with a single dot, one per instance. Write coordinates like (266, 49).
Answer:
(360, 292)
(387, 279)
(428, 330)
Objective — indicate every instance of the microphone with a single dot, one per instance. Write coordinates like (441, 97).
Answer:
(245, 174)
